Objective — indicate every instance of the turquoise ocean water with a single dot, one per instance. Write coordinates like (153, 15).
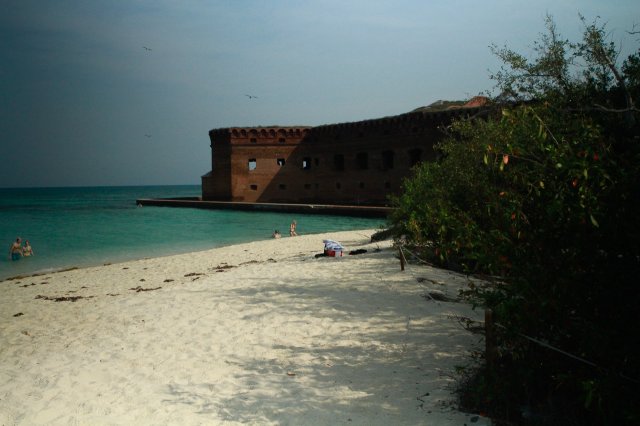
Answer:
(76, 227)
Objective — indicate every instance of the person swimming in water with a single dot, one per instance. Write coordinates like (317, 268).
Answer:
(15, 251)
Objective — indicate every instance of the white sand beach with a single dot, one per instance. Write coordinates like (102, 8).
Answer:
(260, 333)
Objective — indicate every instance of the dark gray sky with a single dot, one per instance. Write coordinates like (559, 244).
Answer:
(83, 103)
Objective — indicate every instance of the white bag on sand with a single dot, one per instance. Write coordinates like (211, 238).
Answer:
(332, 248)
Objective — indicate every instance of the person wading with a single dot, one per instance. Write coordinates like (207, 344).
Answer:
(15, 251)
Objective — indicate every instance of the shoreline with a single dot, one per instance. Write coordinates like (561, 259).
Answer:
(55, 270)
(28, 267)
(260, 332)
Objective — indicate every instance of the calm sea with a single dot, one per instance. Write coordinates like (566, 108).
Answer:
(78, 227)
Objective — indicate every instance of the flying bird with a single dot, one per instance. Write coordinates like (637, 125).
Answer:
(146, 48)
(251, 97)
(147, 135)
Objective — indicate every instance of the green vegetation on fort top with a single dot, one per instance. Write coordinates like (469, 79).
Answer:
(541, 199)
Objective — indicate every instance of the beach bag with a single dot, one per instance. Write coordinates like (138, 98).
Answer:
(332, 248)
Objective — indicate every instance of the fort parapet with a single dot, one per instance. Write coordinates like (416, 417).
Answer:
(358, 163)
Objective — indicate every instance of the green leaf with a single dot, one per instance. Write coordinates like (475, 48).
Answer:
(594, 221)
(486, 159)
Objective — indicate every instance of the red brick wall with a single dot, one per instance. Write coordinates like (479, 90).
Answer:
(216, 185)
(377, 155)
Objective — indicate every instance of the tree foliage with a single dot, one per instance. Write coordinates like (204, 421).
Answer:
(543, 197)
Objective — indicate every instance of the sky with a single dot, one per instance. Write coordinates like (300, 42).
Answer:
(124, 92)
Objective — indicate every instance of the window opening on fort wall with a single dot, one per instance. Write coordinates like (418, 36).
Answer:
(362, 160)
(281, 140)
(252, 164)
(415, 156)
(387, 160)
(338, 162)
(280, 162)
(306, 163)
(253, 187)
(282, 186)
(253, 140)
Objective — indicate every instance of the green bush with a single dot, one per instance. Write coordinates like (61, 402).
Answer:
(542, 197)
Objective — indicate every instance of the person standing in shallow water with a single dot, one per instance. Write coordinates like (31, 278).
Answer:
(15, 251)
(27, 250)
(292, 229)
